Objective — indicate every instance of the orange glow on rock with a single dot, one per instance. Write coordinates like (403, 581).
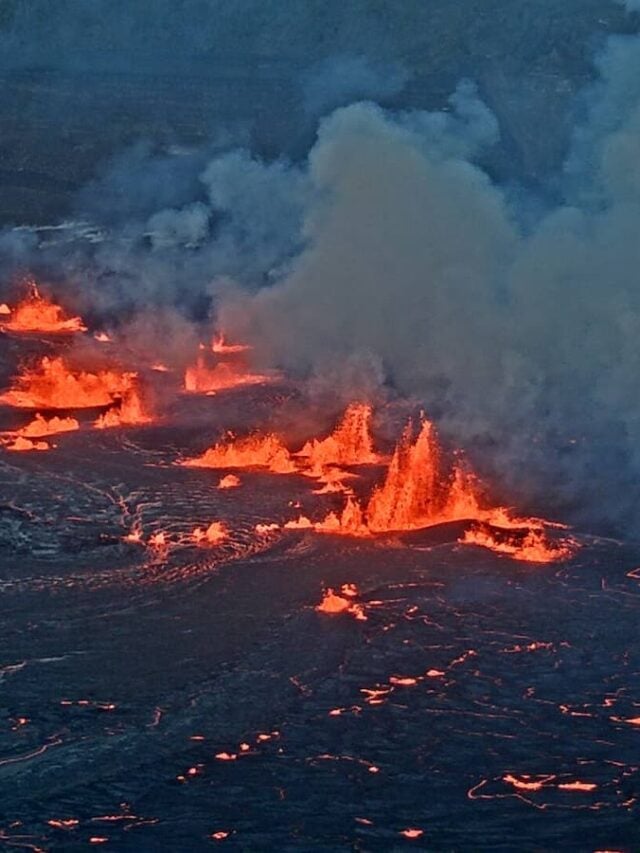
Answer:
(36, 313)
(54, 385)
(251, 452)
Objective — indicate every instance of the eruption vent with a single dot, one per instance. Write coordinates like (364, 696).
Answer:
(40, 426)
(54, 385)
(530, 546)
(250, 452)
(215, 533)
(204, 378)
(349, 444)
(129, 412)
(38, 314)
(420, 490)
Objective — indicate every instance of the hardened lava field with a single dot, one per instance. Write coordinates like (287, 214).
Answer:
(267, 642)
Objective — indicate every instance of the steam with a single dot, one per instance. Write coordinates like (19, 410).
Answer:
(390, 258)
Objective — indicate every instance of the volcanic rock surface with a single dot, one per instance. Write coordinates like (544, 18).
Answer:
(161, 694)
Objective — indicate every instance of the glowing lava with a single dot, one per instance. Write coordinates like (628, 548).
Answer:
(55, 385)
(129, 411)
(230, 481)
(221, 347)
(38, 314)
(251, 452)
(200, 379)
(349, 444)
(421, 489)
(215, 533)
(333, 603)
(532, 545)
(205, 377)
(40, 426)
(22, 445)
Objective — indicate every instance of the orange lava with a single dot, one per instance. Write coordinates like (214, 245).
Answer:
(526, 783)
(412, 833)
(230, 481)
(577, 786)
(36, 313)
(349, 444)
(40, 426)
(65, 823)
(55, 385)
(221, 347)
(215, 533)
(420, 489)
(22, 445)
(201, 379)
(251, 452)
(531, 547)
(333, 603)
(130, 411)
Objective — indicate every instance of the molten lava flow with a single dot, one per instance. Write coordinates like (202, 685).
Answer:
(129, 411)
(227, 370)
(350, 521)
(349, 444)
(221, 347)
(251, 452)
(26, 444)
(40, 426)
(416, 491)
(54, 385)
(333, 603)
(38, 314)
(230, 481)
(531, 546)
(420, 489)
(215, 533)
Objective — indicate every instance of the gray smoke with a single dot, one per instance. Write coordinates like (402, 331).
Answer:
(390, 257)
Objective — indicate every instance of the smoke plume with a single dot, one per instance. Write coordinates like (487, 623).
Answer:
(391, 250)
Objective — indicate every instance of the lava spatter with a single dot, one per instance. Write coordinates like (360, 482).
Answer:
(36, 313)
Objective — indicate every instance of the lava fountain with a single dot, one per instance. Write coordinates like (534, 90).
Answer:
(53, 384)
(36, 313)
(254, 451)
